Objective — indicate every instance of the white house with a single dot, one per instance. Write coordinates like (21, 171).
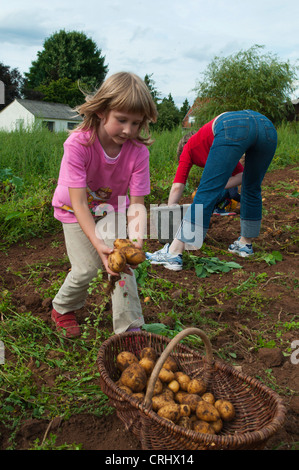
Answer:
(25, 113)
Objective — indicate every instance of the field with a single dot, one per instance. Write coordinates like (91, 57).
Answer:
(51, 398)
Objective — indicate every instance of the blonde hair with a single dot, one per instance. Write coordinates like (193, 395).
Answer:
(125, 92)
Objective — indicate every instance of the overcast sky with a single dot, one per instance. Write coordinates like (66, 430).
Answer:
(174, 40)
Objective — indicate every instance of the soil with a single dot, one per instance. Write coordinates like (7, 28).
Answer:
(279, 291)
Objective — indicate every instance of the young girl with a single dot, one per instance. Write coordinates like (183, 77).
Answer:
(104, 157)
(223, 141)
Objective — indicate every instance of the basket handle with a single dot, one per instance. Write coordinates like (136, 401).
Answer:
(159, 364)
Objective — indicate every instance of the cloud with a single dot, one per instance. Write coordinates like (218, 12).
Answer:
(18, 28)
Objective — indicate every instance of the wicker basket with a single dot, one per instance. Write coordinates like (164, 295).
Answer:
(259, 410)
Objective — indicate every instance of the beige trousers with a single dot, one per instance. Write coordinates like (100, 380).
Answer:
(85, 262)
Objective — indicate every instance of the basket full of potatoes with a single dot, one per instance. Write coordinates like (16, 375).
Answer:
(172, 397)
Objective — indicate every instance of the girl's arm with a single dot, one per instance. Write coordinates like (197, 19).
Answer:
(87, 223)
(137, 220)
(175, 193)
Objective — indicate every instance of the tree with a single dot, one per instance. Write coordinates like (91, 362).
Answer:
(66, 55)
(168, 114)
(184, 109)
(246, 80)
(151, 86)
(62, 90)
(13, 82)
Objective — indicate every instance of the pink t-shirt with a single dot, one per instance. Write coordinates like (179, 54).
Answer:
(105, 179)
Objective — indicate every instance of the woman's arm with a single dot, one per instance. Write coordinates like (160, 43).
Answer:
(87, 223)
(175, 193)
(233, 181)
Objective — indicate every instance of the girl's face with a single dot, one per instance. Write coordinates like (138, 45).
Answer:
(119, 126)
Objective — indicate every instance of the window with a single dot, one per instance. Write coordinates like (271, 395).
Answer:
(49, 125)
(71, 125)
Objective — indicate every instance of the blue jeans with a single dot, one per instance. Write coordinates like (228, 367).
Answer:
(235, 133)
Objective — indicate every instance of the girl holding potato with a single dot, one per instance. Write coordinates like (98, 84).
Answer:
(104, 158)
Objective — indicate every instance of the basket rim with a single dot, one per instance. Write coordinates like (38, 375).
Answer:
(249, 437)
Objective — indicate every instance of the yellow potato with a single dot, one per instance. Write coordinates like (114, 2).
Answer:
(183, 380)
(209, 397)
(185, 422)
(134, 377)
(204, 427)
(171, 411)
(124, 359)
(166, 375)
(174, 386)
(139, 396)
(191, 399)
(196, 386)
(148, 352)
(158, 401)
(158, 387)
(147, 364)
(185, 410)
(180, 395)
(167, 392)
(122, 242)
(133, 255)
(125, 389)
(206, 412)
(170, 364)
(217, 425)
(225, 409)
(117, 261)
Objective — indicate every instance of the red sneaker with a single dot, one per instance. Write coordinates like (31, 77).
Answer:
(66, 322)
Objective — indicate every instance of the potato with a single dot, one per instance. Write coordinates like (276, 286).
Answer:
(134, 377)
(120, 243)
(217, 425)
(158, 401)
(125, 389)
(209, 397)
(147, 364)
(183, 380)
(185, 422)
(206, 412)
(139, 396)
(166, 375)
(117, 261)
(133, 255)
(124, 359)
(225, 409)
(174, 386)
(179, 396)
(148, 352)
(171, 411)
(204, 427)
(170, 364)
(196, 386)
(158, 387)
(185, 410)
(191, 399)
(167, 392)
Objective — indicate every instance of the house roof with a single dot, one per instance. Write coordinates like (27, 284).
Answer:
(46, 110)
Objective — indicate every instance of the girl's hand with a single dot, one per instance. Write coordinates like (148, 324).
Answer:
(104, 251)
